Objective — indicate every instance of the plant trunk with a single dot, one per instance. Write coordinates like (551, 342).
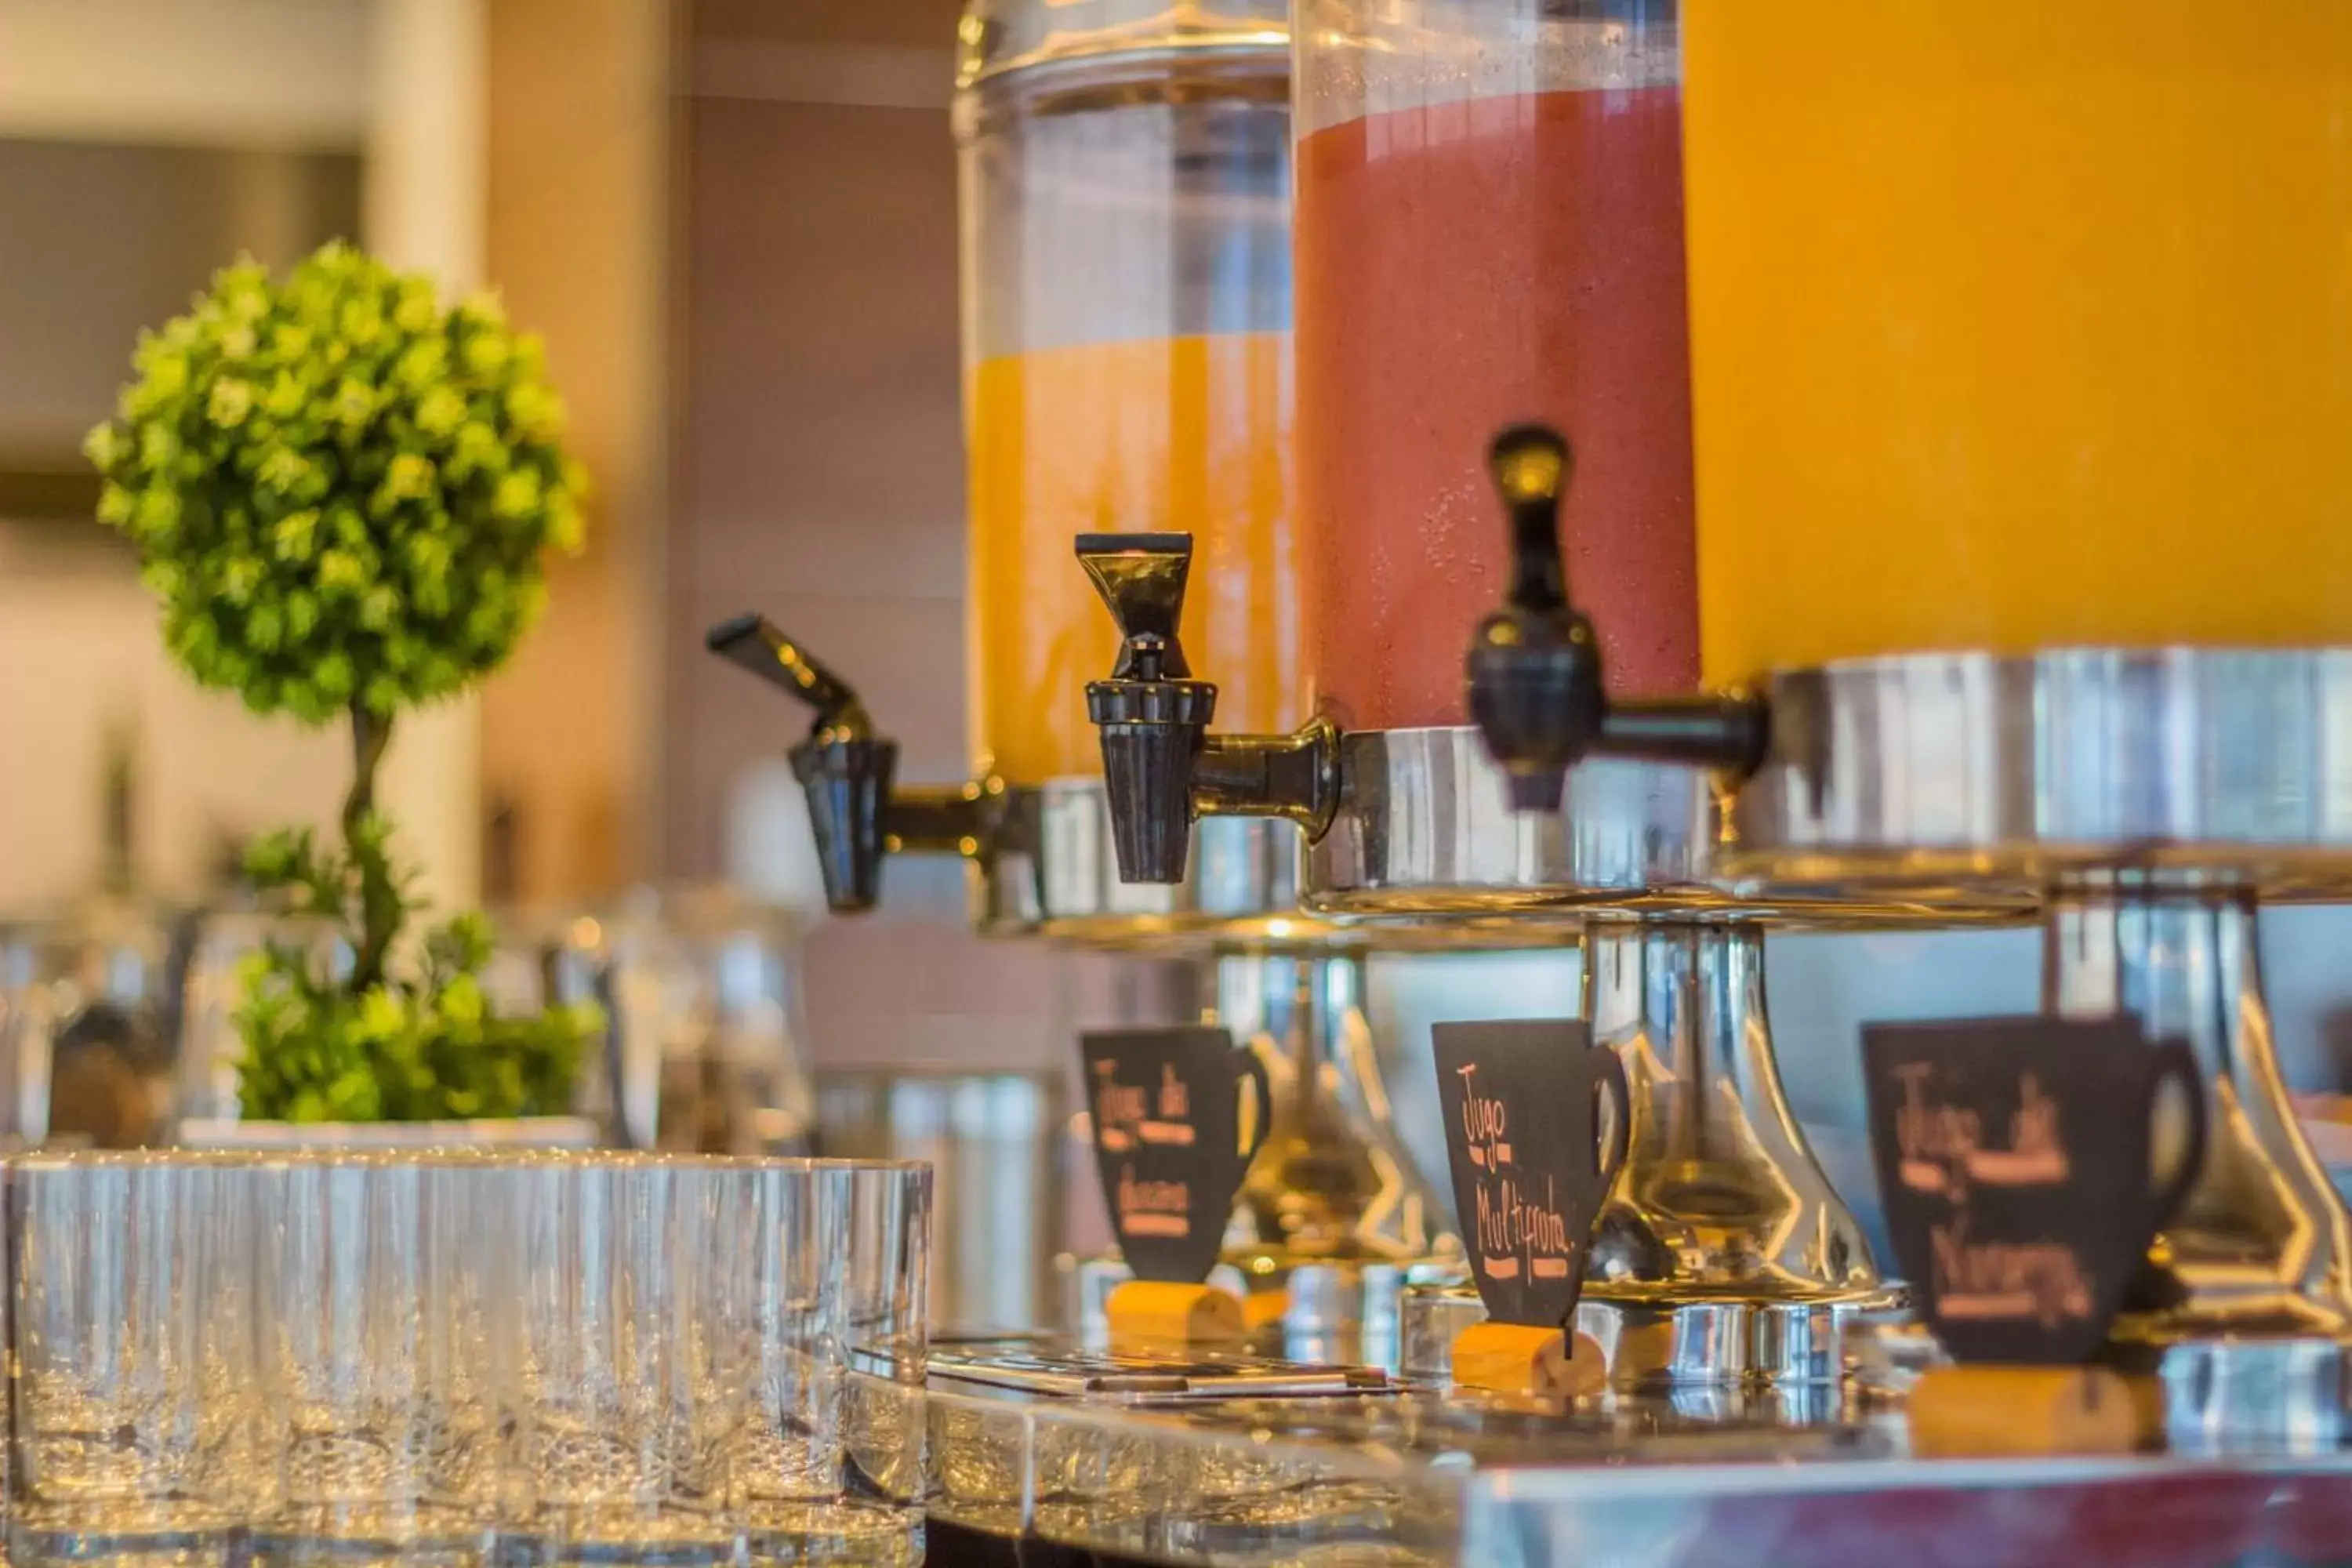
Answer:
(379, 895)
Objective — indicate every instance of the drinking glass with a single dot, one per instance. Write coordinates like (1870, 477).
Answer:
(881, 1277)
(625, 1357)
(790, 1451)
(210, 990)
(404, 1356)
(133, 1408)
(379, 1271)
(886, 1217)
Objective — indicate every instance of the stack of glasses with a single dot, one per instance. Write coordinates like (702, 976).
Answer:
(453, 1359)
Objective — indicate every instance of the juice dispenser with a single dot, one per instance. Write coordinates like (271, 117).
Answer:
(1489, 216)
(2058, 376)
(2018, 392)
(1124, 169)
(2056, 352)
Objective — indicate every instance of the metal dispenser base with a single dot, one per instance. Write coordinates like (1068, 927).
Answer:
(1955, 777)
(1683, 1350)
(1054, 873)
(1425, 834)
(2255, 1337)
(1332, 1219)
(2151, 797)
(1723, 1256)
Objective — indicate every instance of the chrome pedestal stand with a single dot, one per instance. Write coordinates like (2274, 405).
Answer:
(1676, 1348)
(2149, 800)
(1723, 1255)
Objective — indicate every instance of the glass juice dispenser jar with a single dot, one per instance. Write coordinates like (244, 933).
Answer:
(2022, 341)
(1126, 170)
(1490, 230)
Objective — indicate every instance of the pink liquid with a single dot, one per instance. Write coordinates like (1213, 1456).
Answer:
(1461, 268)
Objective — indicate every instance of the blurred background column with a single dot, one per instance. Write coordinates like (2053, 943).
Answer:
(579, 154)
(424, 207)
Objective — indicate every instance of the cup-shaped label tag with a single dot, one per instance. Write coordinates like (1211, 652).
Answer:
(1535, 1127)
(1173, 1141)
(2026, 1165)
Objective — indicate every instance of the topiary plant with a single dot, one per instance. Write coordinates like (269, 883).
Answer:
(343, 494)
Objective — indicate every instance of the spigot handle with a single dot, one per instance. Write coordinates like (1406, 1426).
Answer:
(1534, 665)
(1530, 465)
(1536, 692)
(757, 644)
(845, 768)
(1141, 577)
(1152, 716)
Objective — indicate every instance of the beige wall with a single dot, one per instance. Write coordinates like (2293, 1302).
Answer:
(819, 462)
(79, 655)
(256, 72)
(426, 95)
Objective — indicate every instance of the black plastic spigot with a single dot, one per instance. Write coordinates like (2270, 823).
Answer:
(1538, 691)
(845, 768)
(1162, 767)
(1535, 664)
(1152, 715)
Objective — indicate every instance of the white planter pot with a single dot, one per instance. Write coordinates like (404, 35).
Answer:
(509, 1133)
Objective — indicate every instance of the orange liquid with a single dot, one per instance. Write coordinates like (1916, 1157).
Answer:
(2019, 324)
(1189, 435)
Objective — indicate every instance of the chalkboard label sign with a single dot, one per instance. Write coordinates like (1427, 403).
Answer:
(1169, 1141)
(2026, 1163)
(1526, 1104)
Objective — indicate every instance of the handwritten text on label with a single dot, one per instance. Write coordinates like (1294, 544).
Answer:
(1943, 1146)
(1515, 1228)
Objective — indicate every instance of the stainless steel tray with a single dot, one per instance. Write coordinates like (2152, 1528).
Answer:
(1061, 1368)
(1417, 1478)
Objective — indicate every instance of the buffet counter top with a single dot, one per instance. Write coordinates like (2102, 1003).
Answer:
(1407, 1475)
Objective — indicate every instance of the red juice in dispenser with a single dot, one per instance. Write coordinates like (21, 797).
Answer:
(1490, 229)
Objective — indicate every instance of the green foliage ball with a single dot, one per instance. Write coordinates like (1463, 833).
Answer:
(342, 493)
